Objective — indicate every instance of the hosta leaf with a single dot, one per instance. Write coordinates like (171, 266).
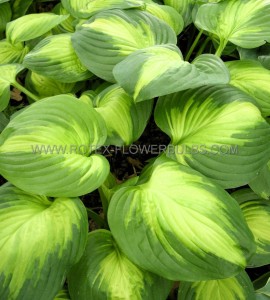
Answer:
(8, 75)
(234, 288)
(218, 131)
(46, 148)
(32, 26)
(64, 66)
(250, 77)
(245, 23)
(9, 72)
(184, 7)
(264, 292)
(40, 240)
(20, 7)
(104, 272)
(5, 15)
(124, 119)
(43, 87)
(176, 223)
(66, 26)
(109, 37)
(4, 95)
(3, 121)
(85, 9)
(261, 54)
(10, 53)
(167, 14)
(257, 214)
(161, 70)
(261, 183)
(63, 294)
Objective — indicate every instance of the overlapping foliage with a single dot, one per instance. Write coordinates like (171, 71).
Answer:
(92, 74)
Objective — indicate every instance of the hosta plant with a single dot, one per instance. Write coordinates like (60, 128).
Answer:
(134, 149)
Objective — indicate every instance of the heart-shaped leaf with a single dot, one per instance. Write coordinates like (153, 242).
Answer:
(40, 240)
(176, 223)
(245, 23)
(216, 130)
(51, 142)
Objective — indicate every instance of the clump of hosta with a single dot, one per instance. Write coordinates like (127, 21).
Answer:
(53, 143)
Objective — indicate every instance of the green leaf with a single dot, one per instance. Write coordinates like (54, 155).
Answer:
(20, 7)
(178, 224)
(5, 15)
(109, 37)
(43, 87)
(161, 70)
(234, 288)
(184, 7)
(261, 54)
(40, 240)
(168, 14)
(32, 26)
(3, 1)
(64, 66)
(261, 183)
(63, 294)
(104, 272)
(261, 281)
(217, 131)
(253, 79)
(8, 75)
(10, 53)
(264, 292)
(66, 26)
(84, 9)
(3, 121)
(125, 120)
(46, 149)
(245, 23)
(257, 215)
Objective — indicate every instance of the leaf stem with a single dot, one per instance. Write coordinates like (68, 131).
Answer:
(97, 218)
(191, 49)
(25, 91)
(221, 47)
(203, 46)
